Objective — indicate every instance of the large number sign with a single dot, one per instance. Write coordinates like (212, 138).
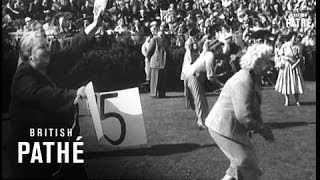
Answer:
(117, 117)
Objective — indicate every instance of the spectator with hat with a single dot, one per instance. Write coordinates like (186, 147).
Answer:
(28, 22)
(157, 52)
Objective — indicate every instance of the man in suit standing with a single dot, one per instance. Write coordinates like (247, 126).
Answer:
(157, 52)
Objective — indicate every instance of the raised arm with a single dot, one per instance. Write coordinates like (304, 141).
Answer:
(77, 42)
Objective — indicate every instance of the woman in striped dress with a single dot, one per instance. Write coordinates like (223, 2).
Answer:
(290, 80)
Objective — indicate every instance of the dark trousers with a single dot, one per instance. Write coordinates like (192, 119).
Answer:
(158, 82)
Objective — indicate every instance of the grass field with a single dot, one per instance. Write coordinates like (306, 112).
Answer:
(176, 149)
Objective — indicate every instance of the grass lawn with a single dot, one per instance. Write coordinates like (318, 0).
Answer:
(176, 149)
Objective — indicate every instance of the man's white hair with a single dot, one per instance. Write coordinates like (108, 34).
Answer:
(255, 52)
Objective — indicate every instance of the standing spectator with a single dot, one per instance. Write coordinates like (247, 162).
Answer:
(309, 52)
(236, 114)
(144, 49)
(122, 30)
(157, 55)
(137, 32)
(290, 80)
(178, 57)
(28, 22)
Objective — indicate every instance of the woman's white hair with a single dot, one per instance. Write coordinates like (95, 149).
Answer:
(27, 42)
(255, 52)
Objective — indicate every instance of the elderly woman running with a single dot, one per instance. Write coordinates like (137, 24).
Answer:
(236, 114)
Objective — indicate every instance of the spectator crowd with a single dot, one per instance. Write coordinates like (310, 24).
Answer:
(126, 25)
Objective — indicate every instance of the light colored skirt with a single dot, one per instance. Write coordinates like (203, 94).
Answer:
(290, 81)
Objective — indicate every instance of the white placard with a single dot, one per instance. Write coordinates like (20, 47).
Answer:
(121, 118)
(117, 117)
(93, 108)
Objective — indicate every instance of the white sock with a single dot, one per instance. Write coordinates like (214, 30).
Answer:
(226, 177)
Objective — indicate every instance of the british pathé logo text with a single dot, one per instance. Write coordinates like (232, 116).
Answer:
(62, 148)
(299, 19)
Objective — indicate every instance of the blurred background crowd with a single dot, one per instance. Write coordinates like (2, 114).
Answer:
(116, 49)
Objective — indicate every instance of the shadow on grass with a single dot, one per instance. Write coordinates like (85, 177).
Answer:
(176, 96)
(308, 103)
(155, 150)
(283, 125)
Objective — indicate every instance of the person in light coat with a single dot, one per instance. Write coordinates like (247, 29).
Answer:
(146, 60)
(236, 115)
(157, 53)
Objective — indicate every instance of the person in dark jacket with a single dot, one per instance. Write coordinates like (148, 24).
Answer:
(38, 103)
